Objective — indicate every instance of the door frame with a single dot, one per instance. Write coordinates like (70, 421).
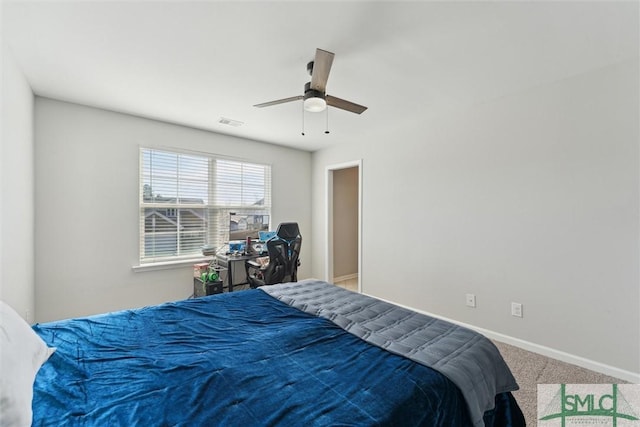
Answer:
(329, 217)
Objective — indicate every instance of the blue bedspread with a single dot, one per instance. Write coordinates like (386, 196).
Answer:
(464, 356)
(238, 359)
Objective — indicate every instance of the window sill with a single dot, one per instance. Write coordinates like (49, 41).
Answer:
(169, 264)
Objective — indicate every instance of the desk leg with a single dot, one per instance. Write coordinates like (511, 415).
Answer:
(230, 275)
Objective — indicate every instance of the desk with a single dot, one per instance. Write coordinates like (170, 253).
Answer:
(228, 261)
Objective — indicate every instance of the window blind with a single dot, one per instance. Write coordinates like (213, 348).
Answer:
(187, 201)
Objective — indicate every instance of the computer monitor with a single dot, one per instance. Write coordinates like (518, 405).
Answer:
(242, 226)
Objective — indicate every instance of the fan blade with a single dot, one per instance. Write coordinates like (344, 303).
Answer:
(345, 105)
(279, 101)
(321, 67)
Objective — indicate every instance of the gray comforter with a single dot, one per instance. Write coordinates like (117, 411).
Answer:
(468, 359)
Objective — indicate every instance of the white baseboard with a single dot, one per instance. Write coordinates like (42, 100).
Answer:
(602, 368)
(632, 377)
(345, 277)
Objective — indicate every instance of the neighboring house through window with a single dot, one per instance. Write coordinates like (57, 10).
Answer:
(188, 200)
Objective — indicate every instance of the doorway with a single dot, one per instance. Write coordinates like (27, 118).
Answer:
(344, 224)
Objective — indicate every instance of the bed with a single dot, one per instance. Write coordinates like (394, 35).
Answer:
(306, 353)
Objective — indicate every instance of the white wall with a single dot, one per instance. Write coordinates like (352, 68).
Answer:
(86, 202)
(16, 181)
(532, 198)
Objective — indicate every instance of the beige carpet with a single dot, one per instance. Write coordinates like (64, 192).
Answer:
(531, 369)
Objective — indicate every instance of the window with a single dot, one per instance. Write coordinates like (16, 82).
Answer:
(186, 201)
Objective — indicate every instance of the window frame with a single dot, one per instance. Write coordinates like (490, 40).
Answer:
(216, 214)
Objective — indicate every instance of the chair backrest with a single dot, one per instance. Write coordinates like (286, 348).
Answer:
(276, 270)
(288, 231)
(294, 258)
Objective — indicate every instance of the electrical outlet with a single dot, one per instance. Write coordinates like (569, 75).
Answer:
(516, 309)
(471, 300)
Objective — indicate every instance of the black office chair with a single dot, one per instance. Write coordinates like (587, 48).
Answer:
(294, 259)
(275, 271)
(290, 232)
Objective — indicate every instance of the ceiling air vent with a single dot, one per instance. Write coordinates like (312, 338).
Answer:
(230, 122)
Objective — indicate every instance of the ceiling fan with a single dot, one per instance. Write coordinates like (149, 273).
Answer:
(315, 97)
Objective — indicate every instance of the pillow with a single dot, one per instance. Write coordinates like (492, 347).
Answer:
(22, 352)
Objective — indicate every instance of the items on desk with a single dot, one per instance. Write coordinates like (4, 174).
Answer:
(240, 247)
(264, 236)
(236, 247)
(248, 247)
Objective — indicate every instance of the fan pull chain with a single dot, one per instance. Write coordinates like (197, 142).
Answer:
(327, 128)
(302, 119)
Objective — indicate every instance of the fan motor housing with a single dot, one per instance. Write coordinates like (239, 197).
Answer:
(312, 93)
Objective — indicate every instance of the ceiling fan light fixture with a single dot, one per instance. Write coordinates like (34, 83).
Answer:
(315, 104)
(315, 93)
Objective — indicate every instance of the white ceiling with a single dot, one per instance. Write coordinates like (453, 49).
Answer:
(194, 62)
